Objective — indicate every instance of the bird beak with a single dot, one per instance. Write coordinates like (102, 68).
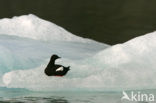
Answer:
(59, 57)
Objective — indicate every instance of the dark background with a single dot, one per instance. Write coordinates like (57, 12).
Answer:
(108, 21)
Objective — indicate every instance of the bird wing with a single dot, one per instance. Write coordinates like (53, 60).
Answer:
(59, 69)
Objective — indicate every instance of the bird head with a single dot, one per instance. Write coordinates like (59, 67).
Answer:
(54, 57)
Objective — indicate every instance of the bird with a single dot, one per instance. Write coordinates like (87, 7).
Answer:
(53, 69)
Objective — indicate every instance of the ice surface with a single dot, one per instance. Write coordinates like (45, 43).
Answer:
(31, 26)
(25, 47)
(94, 66)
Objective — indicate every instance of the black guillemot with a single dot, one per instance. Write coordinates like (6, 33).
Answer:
(53, 69)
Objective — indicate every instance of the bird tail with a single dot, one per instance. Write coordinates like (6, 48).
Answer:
(68, 67)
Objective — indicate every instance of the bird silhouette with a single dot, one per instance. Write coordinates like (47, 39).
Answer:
(53, 69)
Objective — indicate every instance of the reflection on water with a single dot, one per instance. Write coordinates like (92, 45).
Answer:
(34, 100)
(66, 97)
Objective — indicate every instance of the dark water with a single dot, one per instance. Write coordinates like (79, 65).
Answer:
(108, 21)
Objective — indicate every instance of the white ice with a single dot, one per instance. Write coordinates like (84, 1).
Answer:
(94, 66)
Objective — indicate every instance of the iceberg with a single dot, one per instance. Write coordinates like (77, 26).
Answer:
(27, 42)
(31, 26)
